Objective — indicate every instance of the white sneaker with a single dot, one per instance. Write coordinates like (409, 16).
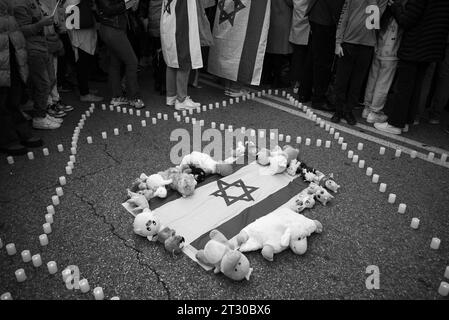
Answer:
(366, 112)
(118, 101)
(187, 104)
(170, 101)
(386, 127)
(45, 124)
(57, 120)
(378, 117)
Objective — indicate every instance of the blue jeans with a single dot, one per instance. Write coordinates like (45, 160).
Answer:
(121, 53)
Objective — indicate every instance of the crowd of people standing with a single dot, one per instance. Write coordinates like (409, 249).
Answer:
(388, 57)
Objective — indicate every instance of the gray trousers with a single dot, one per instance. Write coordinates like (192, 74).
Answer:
(177, 82)
(42, 79)
(379, 82)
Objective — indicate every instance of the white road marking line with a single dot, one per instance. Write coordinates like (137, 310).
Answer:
(341, 128)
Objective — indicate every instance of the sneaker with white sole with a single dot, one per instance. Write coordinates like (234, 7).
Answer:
(45, 124)
(170, 101)
(137, 103)
(55, 112)
(118, 101)
(90, 97)
(386, 127)
(366, 112)
(63, 107)
(57, 120)
(187, 104)
(374, 117)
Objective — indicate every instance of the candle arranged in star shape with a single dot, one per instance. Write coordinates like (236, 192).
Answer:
(230, 199)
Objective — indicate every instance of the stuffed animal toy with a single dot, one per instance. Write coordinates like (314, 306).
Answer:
(263, 157)
(277, 231)
(319, 193)
(150, 187)
(172, 243)
(197, 173)
(221, 255)
(328, 182)
(304, 201)
(137, 201)
(276, 159)
(156, 180)
(184, 183)
(206, 163)
(147, 224)
(291, 153)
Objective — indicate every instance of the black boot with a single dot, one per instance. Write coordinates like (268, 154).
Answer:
(336, 117)
(349, 117)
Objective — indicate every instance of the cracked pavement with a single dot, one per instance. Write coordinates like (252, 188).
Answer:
(92, 231)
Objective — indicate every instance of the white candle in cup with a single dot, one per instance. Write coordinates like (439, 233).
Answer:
(59, 192)
(361, 164)
(26, 255)
(37, 260)
(340, 140)
(147, 114)
(55, 200)
(402, 207)
(391, 198)
(116, 131)
(49, 218)
(98, 293)
(369, 171)
(6, 296)
(413, 154)
(435, 243)
(68, 170)
(398, 153)
(344, 146)
(104, 135)
(382, 187)
(46, 227)
(10, 160)
(350, 154)
(66, 273)
(415, 223)
(446, 273)
(308, 141)
(43, 239)
(84, 285)
(382, 150)
(375, 178)
(129, 127)
(52, 267)
(443, 289)
(138, 113)
(328, 144)
(153, 120)
(50, 209)
(355, 158)
(45, 152)
(318, 142)
(20, 275)
(30, 155)
(144, 123)
(360, 146)
(298, 140)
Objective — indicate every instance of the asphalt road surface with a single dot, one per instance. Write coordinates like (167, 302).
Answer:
(92, 230)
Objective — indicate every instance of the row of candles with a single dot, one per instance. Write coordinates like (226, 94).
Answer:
(36, 259)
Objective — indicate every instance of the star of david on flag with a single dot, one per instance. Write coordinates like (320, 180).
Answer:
(230, 199)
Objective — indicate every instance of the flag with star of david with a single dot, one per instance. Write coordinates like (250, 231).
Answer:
(240, 37)
(180, 37)
(225, 203)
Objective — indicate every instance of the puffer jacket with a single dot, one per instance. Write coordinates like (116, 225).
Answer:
(10, 32)
(27, 14)
(112, 13)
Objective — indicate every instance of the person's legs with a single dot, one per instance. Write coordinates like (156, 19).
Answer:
(373, 77)
(345, 66)
(441, 93)
(385, 79)
(297, 62)
(8, 135)
(399, 102)
(171, 74)
(40, 81)
(82, 71)
(421, 90)
(182, 80)
(363, 58)
(54, 94)
(121, 52)
(323, 46)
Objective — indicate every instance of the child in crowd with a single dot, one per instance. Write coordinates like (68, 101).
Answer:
(179, 21)
(383, 68)
(42, 76)
(354, 46)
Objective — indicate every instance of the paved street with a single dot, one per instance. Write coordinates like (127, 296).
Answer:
(94, 232)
